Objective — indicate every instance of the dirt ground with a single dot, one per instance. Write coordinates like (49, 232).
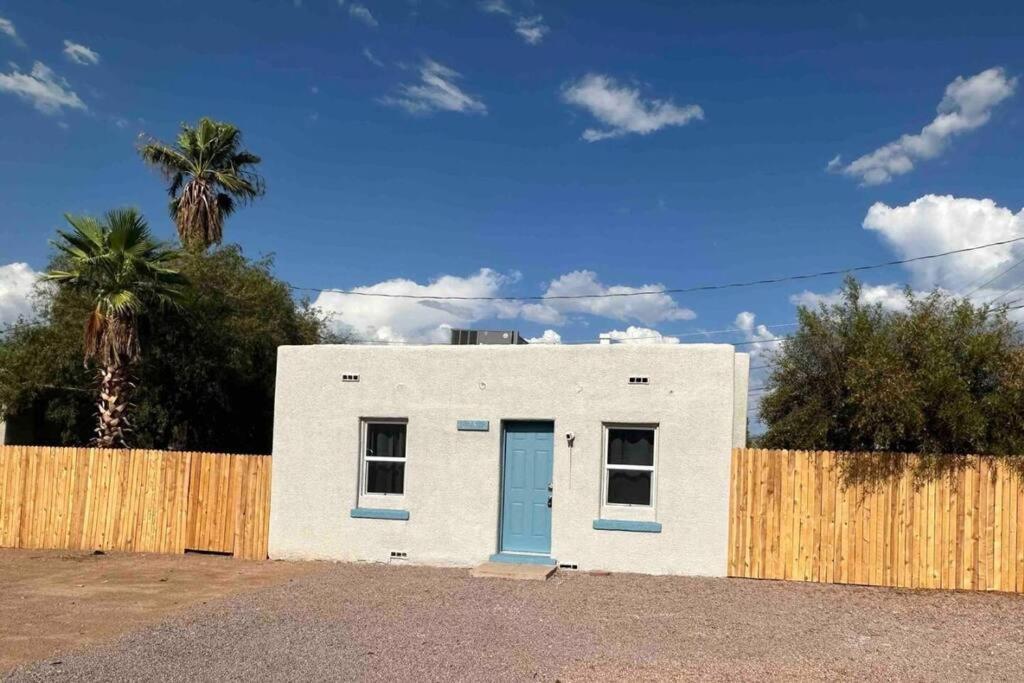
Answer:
(54, 601)
(323, 621)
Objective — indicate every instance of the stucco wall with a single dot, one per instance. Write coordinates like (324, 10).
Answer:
(741, 382)
(452, 478)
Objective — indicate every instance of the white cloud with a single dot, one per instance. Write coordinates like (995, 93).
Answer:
(16, 283)
(531, 29)
(967, 105)
(436, 91)
(648, 309)
(639, 335)
(622, 110)
(46, 91)
(495, 7)
(933, 224)
(363, 14)
(398, 319)
(549, 337)
(383, 319)
(80, 54)
(372, 58)
(7, 28)
(891, 296)
(542, 313)
(760, 337)
(746, 323)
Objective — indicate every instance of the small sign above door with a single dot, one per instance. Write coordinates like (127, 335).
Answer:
(473, 425)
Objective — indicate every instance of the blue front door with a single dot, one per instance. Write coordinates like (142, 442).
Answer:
(526, 487)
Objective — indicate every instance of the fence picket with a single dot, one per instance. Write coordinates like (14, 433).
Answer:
(135, 500)
(793, 517)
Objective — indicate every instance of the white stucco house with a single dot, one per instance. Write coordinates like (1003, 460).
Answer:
(596, 457)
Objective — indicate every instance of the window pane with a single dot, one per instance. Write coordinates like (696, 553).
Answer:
(385, 477)
(629, 487)
(630, 446)
(385, 440)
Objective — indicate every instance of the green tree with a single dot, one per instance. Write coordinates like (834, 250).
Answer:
(206, 381)
(942, 376)
(121, 272)
(208, 172)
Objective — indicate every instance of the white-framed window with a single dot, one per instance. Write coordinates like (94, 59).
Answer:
(629, 464)
(383, 457)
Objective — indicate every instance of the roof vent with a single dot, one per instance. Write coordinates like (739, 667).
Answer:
(639, 380)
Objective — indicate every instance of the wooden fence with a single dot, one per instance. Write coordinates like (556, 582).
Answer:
(791, 516)
(134, 500)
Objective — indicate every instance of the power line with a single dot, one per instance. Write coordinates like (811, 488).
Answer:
(1005, 293)
(723, 331)
(761, 341)
(993, 279)
(678, 290)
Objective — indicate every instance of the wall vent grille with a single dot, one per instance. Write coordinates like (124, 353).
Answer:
(639, 380)
(395, 555)
(350, 378)
(568, 566)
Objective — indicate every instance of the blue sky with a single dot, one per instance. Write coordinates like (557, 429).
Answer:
(560, 147)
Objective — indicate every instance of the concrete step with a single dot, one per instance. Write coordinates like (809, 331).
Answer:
(518, 572)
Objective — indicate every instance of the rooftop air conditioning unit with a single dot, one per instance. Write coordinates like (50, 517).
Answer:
(475, 337)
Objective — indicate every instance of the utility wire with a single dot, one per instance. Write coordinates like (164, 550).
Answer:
(723, 331)
(678, 290)
(1005, 293)
(993, 279)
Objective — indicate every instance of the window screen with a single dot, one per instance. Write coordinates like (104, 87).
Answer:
(629, 466)
(385, 458)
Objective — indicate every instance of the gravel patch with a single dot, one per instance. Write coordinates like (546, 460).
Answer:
(375, 622)
(58, 601)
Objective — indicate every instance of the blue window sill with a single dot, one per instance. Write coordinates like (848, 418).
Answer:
(379, 513)
(625, 525)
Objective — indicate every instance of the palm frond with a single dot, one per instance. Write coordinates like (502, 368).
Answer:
(225, 204)
(205, 162)
(177, 180)
(167, 159)
(123, 270)
(245, 159)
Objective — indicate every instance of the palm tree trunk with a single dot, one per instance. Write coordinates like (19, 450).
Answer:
(112, 406)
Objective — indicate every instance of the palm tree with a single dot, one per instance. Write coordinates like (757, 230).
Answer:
(208, 173)
(122, 271)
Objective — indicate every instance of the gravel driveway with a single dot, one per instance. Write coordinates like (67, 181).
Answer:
(372, 622)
